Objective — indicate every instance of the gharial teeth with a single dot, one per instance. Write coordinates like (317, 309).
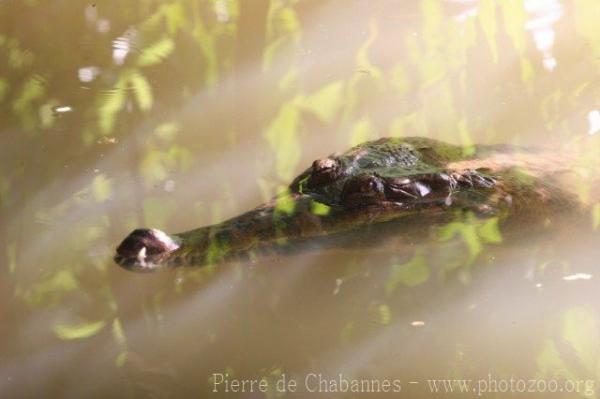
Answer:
(405, 192)
(141, 256)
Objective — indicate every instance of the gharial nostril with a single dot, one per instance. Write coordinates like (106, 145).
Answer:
(147, 241)
(133, 243)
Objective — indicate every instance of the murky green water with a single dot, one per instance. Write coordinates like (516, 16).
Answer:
(182, 113)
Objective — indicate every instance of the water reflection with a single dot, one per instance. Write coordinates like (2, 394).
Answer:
(182, 114)
(543, 15)
(594, 121)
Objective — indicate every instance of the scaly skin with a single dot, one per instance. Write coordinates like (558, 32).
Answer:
(410, 182)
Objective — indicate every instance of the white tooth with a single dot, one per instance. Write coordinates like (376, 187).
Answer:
(423, 189)
(141, 256)
(407, 193)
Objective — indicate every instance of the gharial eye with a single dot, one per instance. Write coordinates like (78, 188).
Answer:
(324, 171)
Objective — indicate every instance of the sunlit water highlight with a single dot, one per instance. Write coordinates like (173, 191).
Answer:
(149, 120)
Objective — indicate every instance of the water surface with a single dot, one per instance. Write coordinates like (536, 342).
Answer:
(178, 114)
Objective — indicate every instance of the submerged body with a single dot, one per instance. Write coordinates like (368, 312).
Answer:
(411, 183)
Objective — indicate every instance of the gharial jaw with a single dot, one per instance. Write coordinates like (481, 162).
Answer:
(374, 182)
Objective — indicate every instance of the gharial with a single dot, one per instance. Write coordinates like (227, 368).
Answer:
(409, 182)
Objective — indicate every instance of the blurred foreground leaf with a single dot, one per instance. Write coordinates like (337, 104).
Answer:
(411, 273)
(78, 331)
(155, 53)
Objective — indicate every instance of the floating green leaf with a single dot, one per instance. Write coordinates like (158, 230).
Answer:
(48, 290)
(362, 55)
(153, 167)
(587, 15)
(11, 256)
(596, 216)
(399, 79)
(465, 138)
(490, 231)
(17, 56)
(347, 331)
(101, 188)
(142, 90)
(3, 88)
(515, 17)
(121, 359)
(289, 80)
(326, 102)
(167, 131)
(206, 41)
(283, 31)
(384, 314)
(117, 331)
(78, 331)
(282, 135)
(156, 52)
(487, 18)
(180, 157)
(320, 209)
(111, 102)
(412, 273)
(175, 16)
(469, 234)
(288, 20)
(285, 204)
(549, 362)
(433, 17)
(362, 131)
(581, 332)
(32, 90)
(474, 233)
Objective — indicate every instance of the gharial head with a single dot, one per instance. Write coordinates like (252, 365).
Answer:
(143, 249)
